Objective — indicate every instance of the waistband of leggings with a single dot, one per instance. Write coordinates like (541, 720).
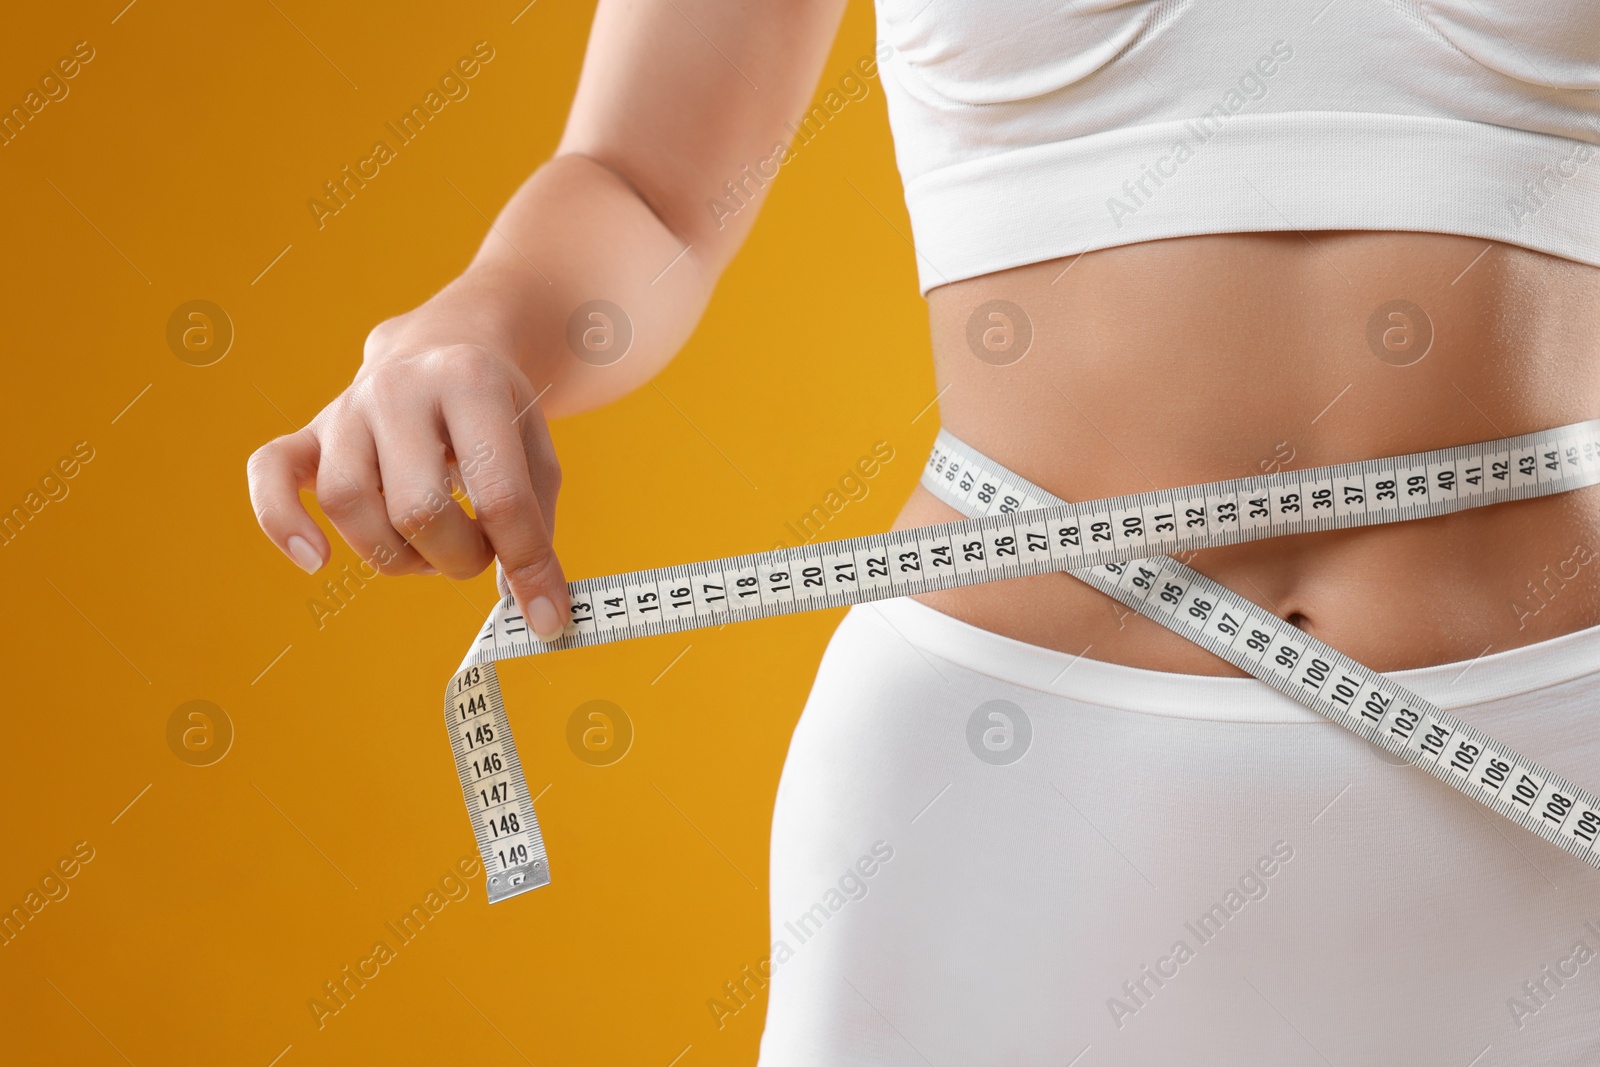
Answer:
(1486, 679)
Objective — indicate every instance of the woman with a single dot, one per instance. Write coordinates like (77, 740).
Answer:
(1161, 243)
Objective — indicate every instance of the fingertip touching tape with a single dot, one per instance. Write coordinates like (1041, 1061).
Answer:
(1119, 545)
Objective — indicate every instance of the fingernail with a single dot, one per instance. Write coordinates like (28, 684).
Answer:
(544, 620)
(427, 568)
(304, 556)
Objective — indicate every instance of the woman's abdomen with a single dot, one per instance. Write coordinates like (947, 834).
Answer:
(1202, 358)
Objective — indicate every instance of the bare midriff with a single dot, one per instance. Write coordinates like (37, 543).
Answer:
(1201, 358)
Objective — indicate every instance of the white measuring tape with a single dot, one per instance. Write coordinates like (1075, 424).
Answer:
(1114, 544)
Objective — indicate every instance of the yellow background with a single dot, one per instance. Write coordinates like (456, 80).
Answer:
(217, 905)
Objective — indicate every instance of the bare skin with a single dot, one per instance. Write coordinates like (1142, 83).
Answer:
(465, 381)
(1200, 358)
(1168, 362)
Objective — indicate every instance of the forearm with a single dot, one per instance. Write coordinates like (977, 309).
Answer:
(574, 233)
(661, 121)
(588, 282)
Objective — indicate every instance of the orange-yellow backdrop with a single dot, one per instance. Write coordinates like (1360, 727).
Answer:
(220, 898)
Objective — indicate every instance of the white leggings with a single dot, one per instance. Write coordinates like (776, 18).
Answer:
(989, 853)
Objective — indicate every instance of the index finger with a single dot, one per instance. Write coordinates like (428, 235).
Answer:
(492, 456)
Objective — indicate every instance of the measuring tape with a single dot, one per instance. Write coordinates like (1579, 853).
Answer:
(1117, 545)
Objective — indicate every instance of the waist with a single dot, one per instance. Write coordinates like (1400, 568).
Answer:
(1195, 359)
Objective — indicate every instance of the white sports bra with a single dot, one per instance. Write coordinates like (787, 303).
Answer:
(1026, 130)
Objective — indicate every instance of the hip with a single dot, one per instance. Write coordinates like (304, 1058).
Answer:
(1010, 851)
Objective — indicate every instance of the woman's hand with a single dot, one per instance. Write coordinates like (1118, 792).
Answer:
(662, 120)
(439, 405)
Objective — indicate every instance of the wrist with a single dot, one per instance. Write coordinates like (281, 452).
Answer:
(477, 310)
(517, 310)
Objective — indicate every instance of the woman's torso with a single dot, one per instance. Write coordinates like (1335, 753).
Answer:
(1199, 358)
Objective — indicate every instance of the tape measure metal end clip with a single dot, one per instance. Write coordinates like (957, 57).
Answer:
(516, 881)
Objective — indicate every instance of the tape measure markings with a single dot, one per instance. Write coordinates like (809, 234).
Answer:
(1020, 529)
(670, 599)
(1374, 707)
(494, 785)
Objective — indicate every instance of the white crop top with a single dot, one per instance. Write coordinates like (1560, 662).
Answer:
(1026, 130)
